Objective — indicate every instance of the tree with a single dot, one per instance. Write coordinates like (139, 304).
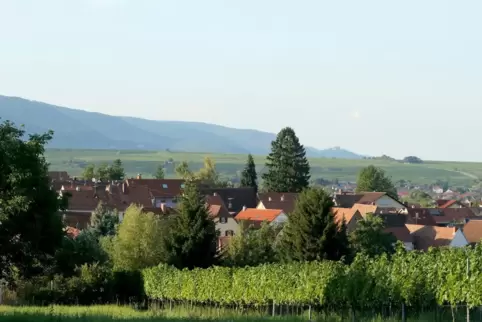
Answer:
(412, 159)
(252, 247)
(249, 177)
(183, 171)
(116, 170)
(288, 167)
(30, 227)
(89, 172)
(191, 241)
(160, 172)
(104, 221)
(372, 179)
(139, 241)
(311, 232)
(102, 172)
(208, 174)
(370, 239)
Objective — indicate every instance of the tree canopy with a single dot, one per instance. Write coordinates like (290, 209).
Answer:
(160, 173)
(288, 169)
(311, 232)
(104, 171)
(30, 225)
(372, 179)
(191, 241)
(249, 177)
(370, 239)
(104, 221)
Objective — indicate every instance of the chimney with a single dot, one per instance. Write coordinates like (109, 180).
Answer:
(215, 194)
(269, 198)
(283, 198)
(62, 188)
(244, 208)
(139, 176)
(77, 188)
(124, 188)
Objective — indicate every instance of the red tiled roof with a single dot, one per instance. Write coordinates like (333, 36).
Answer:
(453, 215)
(216, 206)
(346, 213)
(420, 216)
(253, 214)
(449, 203)
(473, 231)
(425, 237)
(400, 233)
(72, 232)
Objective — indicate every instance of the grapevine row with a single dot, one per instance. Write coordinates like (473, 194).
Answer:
(415, 279)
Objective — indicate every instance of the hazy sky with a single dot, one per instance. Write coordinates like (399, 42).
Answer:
(376, 77)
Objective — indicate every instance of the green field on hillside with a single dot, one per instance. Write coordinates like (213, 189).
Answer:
(230, 165)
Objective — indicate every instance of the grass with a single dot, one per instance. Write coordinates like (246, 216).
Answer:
(182, 314)
(230, 165)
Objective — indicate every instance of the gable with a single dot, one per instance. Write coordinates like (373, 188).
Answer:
(459, 240)
(388, 202)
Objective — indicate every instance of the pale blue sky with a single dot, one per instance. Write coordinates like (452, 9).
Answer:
(373, 76)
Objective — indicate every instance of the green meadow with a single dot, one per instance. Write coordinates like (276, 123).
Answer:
(230, 165)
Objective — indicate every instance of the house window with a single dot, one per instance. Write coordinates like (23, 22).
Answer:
(229, 233)
(223, 220)
(164, 185)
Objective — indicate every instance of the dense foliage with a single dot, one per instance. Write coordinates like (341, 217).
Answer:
(104, 221)
(369, 237)
(104, 172)
(287, 165)
(249, 177)
(191, 240)
(372, 179)
(413, 278)
(412, 159)
(30, 227)
(311, 232)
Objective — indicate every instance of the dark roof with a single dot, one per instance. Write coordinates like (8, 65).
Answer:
(370, 197)
(346, 200)
(216, 206)
(160, 187)
(448, 215)
(392, 220)
(277, 200)
(234, 198)
(400, 233)
(421, 216)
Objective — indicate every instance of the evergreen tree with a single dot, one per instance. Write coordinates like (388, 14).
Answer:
(30, 226)
(287, 165)
(371, 179)
(104, 221)
(249, 177)
(116, 170)
(191, 241)
(311, 232)
(160, 174)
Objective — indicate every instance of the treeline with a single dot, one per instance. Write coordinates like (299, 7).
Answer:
(418, 280)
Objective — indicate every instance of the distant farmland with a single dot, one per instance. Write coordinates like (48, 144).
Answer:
(229, 165)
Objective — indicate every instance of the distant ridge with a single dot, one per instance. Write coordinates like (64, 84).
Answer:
(77, 129)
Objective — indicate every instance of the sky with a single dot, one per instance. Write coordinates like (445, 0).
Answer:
(375, 76)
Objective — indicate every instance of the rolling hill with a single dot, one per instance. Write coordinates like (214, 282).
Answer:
(78, 129)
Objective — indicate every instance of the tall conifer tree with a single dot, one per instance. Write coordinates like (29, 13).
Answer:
(249, 177)
(288, 167)
(311, 232)
(191, 241)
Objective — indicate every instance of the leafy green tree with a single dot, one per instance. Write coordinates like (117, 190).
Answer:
(369, 237)
(372, 179)
(84, 249)
(139, 241)
(311, 232)
(183, 171)
(102, 172)
(104, 221)
(160, 174)
(116, 170)
(287, 165)
(249, 177)
(208, 175)
(252, 247)
(89, 172)
(191, 241)
(30, 226)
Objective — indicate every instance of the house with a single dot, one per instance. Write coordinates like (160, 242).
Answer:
(444, 204)
(473, 231)
(420, 216)
(225, 222)
(258, 216)
(351, 217)
(379, 199)
(402, 234)
(276, 200)
(235, 199)
(451, 216)
(163, 191)
(425, 237)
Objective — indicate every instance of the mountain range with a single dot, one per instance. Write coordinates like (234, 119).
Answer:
(78, 129)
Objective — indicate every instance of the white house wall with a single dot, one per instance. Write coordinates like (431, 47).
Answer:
(387, 202)
(459, 240)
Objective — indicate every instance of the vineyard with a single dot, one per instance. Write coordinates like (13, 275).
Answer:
(416, 280)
